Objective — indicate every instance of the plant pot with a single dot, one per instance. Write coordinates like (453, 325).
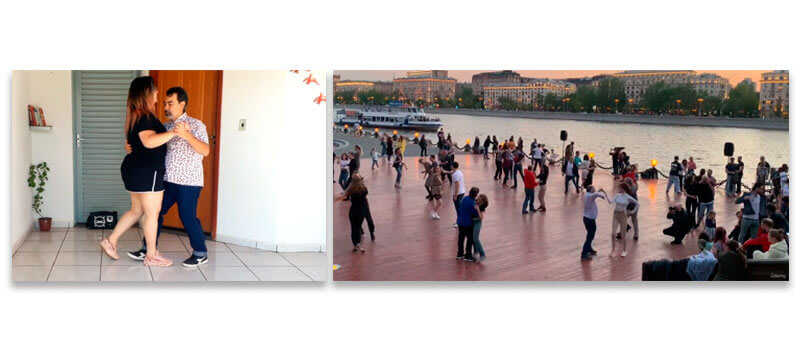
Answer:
(45, 223)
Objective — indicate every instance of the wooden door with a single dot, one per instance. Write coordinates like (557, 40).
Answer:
(205, 93)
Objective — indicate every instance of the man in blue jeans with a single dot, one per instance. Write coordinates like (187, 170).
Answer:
(590, 220)
(184, 176)
(467, 211)
(755, 204)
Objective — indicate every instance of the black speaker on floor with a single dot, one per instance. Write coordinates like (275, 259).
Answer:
(563, 135)
(729, 149)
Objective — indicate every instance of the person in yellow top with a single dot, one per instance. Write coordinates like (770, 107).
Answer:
(403, 142)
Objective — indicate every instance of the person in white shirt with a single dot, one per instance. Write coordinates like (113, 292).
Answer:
(459, 188)
(620, 219)
(590, 220)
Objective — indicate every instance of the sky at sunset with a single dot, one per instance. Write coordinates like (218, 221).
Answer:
(735, 76)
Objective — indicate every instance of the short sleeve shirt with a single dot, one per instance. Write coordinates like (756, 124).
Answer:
(141, 156)
(458, 177)
(184, 164)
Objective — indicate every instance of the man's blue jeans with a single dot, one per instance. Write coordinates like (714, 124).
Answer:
(186, 197)
(676, 181)
(748, 230)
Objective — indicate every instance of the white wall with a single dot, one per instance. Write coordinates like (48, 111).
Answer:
(270, 181)
(52, 91)
(21, 200)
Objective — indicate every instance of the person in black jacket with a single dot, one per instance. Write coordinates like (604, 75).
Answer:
(681, 224)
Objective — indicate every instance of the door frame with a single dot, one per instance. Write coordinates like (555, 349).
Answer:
(77, 184)
(215, 170)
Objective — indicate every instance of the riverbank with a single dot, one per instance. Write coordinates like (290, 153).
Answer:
(723, 122)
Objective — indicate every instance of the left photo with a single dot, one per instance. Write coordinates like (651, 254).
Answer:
(166, 175)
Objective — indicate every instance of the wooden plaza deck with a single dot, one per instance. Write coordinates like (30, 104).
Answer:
(410, 246)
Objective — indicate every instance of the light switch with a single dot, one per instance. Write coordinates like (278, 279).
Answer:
(242, 124)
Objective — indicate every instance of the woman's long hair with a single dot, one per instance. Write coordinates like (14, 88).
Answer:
(736, 248)
(357, 185)
(139, 101)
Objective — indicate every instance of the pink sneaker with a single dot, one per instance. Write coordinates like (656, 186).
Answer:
(157, 260)
(109, 249)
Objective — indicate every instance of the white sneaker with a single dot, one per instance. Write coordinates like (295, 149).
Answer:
(624, 253)
(437, 217)
(455, 225)
(433, 215)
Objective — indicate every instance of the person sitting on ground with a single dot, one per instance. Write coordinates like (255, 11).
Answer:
(778, 249)
(761, 242)
(777, 217)
(732, 263)
(681, 224)
(720, 242)
(701, 266)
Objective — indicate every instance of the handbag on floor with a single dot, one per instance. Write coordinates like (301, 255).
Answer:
(102, 220)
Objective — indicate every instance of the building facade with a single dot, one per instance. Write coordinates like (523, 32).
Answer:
(358, 86)
(425, 85)
(710, 84)
(636, 82)
(480, 80)
(774, 94)
(532, 91)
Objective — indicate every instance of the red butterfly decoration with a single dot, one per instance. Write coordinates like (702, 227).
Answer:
(310, 80)
(319, 99)
(295, 71)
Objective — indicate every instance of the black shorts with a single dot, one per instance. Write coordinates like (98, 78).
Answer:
(143, 179)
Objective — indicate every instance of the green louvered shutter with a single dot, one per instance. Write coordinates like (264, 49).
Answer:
(99, 102)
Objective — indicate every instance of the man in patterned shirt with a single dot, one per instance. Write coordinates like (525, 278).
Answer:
(183, 179)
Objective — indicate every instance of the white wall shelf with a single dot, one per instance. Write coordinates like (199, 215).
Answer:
(40, 128)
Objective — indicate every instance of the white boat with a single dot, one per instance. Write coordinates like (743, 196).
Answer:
(412, 118)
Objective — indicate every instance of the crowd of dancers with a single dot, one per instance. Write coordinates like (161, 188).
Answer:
(761, 231)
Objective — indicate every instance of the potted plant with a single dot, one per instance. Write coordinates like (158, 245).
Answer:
(37, 177)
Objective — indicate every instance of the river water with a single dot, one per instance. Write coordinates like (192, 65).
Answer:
(642, 142)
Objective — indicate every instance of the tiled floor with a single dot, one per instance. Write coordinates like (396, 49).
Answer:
(74, 255)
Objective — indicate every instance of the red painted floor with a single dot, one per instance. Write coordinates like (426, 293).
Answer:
(410, 246)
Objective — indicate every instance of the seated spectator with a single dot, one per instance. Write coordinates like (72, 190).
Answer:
(732, 263)
(738, 227)
(720, 243)
(681, 224)
(777, 218)
(701, 265)
(778, 248)
(761, 242)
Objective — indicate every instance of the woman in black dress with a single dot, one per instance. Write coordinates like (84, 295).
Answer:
(143, 169)
(357, 192)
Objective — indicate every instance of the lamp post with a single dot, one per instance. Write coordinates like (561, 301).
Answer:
(699, 107)
(616, 105)
(630, 102)
(678, 111)
(566, 100)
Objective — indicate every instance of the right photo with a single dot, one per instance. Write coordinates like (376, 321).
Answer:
(560, 175)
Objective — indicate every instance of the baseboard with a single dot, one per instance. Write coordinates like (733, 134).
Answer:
(268, 246)
(15, 245)
(299, 248)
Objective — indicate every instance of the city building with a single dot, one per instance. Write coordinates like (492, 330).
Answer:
(588, 81)
(636, 82)
(532, 91)
(710, 84)
(425, 85)
(359, 86)
(487, 78)
(774, 94)
(460, 87)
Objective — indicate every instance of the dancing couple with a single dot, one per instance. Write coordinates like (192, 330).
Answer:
(163, 167)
